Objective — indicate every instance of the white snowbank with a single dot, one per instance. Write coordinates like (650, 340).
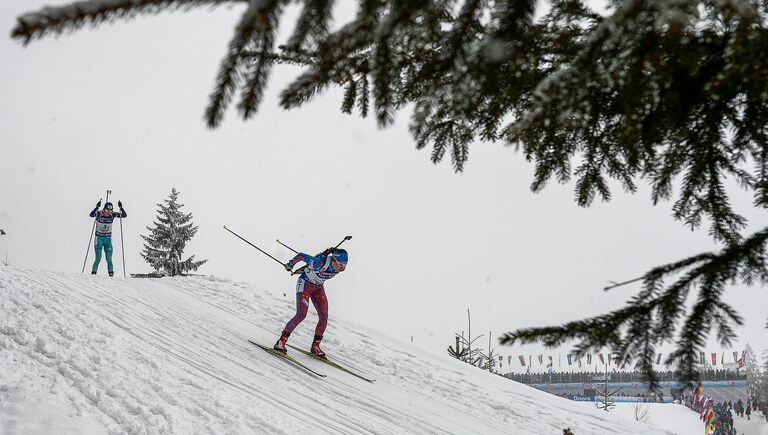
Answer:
(88, 355)
(673, 417)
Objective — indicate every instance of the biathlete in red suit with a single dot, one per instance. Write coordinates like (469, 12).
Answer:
(319, 268)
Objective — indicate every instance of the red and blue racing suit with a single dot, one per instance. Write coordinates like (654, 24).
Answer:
(310, 287)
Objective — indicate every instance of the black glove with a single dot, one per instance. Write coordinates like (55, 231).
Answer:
(98, 204)
(288, 267)
(328, 251)
(120, 204)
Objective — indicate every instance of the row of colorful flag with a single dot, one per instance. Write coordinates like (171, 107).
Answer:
(611, 359)
(707, 414)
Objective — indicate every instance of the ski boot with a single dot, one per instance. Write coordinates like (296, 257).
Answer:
(315, 350)
(280, 345)
(111, 273)
(93, 272)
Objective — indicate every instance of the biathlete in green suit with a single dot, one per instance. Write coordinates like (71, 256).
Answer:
(104, 219)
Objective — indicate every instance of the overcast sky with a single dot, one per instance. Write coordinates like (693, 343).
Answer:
(120, 107)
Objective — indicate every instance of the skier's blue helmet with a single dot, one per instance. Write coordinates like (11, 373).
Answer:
(340, 255)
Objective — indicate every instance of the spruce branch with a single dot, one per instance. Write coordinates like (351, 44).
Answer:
(333, 49)
(650, 318)
(350, 94)
(363, 95)
(338, 47)
(401, 12)
(461, 33)
(231, 69)
(442, 136)
(419, 126)
(59, 19)
(382, 95)
(313, 23)
(512, 19)
(267, 19)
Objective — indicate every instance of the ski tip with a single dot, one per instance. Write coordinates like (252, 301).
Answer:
(348, 238)
(225, 227)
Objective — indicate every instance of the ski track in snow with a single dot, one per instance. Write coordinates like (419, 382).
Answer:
(157, 356)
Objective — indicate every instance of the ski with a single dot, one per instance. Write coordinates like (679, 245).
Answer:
(288, 358)
(332, 364)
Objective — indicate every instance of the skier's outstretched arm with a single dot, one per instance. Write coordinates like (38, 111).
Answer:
(122, 213)
(311, 261)
(95, 211)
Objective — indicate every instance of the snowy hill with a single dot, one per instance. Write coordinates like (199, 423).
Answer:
(82, 354)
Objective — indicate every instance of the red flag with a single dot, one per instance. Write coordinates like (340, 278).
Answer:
(714, 359)
(697, 393)
(541, 359)
(658, 359)
(600, 356)
(743, 359)
(522, 360)
(589, 359)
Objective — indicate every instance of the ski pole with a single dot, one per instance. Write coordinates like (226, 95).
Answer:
(260, 250)
(295, 251)
(90, 237)
(122, 243)
(344, 240)
(88, 248)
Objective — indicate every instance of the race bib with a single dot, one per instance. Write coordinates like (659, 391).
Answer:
(103, 228)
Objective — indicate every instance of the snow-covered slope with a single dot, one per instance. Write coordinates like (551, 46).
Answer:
(82, 354)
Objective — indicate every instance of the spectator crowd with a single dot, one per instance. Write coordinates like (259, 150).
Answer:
(718, 416)
(617, 376)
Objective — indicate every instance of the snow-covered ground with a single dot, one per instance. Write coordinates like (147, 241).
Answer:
(90, 355)
(756, 425)
(673, 417)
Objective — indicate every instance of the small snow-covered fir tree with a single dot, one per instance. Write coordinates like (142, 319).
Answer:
(753, 371)
(490, 360)
(166, 241)
(460, 352)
